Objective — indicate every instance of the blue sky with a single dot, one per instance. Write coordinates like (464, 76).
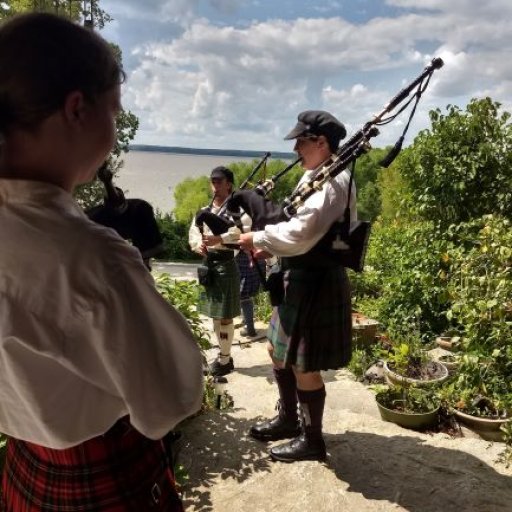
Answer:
(234, 74)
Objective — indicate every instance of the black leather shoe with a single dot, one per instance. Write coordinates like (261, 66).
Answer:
(299, 448)
(217, 369)
(275, 429)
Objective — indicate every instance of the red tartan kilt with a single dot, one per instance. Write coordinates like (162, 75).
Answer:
(120, 471)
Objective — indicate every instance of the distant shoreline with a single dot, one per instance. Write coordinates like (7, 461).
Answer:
(210, 152)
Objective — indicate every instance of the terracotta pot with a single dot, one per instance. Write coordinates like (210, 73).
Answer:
(395, 379)
(450, 343)
(486, 428)
(364, 329)
(415, 421)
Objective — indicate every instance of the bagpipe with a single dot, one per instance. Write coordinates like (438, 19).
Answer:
(350, 238)
(228, 216)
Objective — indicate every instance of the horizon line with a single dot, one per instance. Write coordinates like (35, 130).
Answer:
(208, 151)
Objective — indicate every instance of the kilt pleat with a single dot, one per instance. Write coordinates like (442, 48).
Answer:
(121, 471)
(221, 298)
(312, 328)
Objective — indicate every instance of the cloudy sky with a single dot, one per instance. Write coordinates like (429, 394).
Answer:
(234, 74)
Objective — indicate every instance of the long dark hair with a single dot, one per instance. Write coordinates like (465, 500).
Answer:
(43, 58)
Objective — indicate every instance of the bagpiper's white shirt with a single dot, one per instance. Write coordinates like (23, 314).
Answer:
(314, 218)
(85, 338)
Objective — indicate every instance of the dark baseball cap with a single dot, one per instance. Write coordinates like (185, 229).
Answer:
(222, 172)
(318, 122)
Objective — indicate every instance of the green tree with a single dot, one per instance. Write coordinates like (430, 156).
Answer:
(394, 192)
(366, 179)
(83, 11)
(190, 196)
(461, 168)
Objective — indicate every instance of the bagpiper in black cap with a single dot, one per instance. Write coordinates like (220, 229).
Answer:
(222, 172)
(319, 122)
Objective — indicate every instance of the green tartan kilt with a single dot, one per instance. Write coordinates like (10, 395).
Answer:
(221, 298)
(312, 328)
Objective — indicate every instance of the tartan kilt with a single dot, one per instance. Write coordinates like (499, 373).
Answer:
(250, 280)
(120, 471)
(221, 298)
(312, 328)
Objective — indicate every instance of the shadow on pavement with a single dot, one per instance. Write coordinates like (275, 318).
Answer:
(221, 447)
(418, 477)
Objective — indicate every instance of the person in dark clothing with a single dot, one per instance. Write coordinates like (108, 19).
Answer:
(133, 219)
(310, 330)
(250, 284)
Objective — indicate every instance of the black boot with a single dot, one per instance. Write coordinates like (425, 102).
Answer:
(275, 429)
(286, 423)
(310, 444)
(300, 448)
(217, 369)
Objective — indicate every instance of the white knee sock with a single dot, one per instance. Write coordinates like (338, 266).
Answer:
(226, 335)
(216, 329)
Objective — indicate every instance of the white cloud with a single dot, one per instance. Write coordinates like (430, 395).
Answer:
(243, 87)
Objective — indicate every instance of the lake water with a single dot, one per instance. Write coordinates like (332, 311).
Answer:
(153, 176)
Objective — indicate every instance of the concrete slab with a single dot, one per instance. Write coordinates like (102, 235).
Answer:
(372, 465)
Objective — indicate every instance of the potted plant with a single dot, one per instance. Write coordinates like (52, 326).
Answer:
(407, 363)
(409, 407)
(481, 397)
(481, 290)
(449, 359)
(448, 341)
(364, 329)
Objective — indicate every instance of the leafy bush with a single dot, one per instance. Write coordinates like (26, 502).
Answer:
(183, 296)
(175, 239)
(461, 168)
(405, 277)
(482, 288)
(262, 307)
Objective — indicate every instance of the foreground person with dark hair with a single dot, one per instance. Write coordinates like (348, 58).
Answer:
(95, 367)
(310, 330)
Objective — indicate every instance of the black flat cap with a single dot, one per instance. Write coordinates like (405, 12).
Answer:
(222, 172)
(318, 122)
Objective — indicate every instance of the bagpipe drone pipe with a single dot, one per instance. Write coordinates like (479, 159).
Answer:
(350, 238)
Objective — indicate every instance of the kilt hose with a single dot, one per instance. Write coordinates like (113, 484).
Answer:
(312, 328)
(120, 471)
(221, 297)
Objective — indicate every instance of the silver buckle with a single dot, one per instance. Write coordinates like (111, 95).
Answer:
(156, 493)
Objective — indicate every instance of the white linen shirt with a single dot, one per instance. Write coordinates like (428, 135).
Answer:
(312, 221)
(85, 337)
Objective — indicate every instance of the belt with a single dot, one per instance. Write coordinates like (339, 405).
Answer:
(220, 255)
(321, 263)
